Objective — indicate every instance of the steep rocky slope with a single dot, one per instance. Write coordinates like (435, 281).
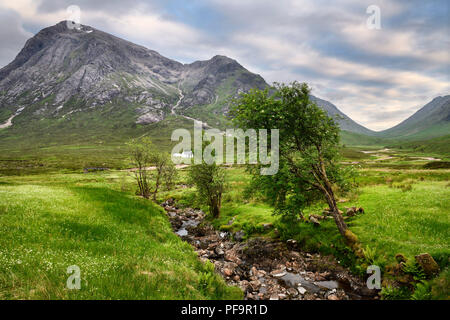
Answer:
(67, 79)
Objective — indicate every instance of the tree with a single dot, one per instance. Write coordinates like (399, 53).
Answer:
(209, 180)
(309, 167)
(140, 152)
(143, 155)
(170, 175)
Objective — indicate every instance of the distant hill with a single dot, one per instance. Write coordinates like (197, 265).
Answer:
(432, 120)
(344, 121)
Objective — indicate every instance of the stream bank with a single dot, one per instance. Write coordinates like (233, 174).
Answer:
(264, 268)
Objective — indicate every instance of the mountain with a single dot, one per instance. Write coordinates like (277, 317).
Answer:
(89, 68)
(344, 121)
(84, 83)
(432, 120)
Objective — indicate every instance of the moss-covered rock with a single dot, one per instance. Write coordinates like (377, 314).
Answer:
(429, 266)
(400, 258)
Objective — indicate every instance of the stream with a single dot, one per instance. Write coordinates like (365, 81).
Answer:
(266, 269)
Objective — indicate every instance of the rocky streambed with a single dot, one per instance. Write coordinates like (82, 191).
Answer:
(264, 268)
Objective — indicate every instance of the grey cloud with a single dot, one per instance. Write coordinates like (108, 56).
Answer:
(12, 36)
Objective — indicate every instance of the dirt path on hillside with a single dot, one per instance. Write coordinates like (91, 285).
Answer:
(8, 122)
(178, 166)
(172, 111)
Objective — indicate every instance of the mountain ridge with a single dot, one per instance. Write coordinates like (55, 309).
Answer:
(432, 120)
(62, 72)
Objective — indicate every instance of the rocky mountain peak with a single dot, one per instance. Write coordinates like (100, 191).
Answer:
(62, 72)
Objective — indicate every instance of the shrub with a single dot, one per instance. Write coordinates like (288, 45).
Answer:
(422, 291)
(413, 268)
(395, 293)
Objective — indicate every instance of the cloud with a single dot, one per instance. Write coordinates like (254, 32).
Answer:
(377, 77)
(12, 35)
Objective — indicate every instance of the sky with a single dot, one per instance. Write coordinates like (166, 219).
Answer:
(377, 76)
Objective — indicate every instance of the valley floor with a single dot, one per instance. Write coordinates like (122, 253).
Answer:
(125, 247)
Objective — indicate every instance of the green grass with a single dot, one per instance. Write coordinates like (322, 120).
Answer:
(406, 211)
(75, 147)
(408, 222)
(123, 245)
(126, 249)
(439, 145)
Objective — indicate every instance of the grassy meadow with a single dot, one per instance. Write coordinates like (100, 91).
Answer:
(124, 246)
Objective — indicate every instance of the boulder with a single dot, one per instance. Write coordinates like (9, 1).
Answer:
(267, 226)
(429, 266)
(351, 211)
(314, 221)
(301, 290)
(291, 243)
(278, 274)
(227, 272)
(282, 296)
(255, 285)
(218, 250)
(239, 235)
(292, 292)
(400, 258)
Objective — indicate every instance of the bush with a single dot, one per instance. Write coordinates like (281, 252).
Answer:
(209, 180)
(437, 165)
(413, 268)
(395, 293)
(422, 291)
(440, 286)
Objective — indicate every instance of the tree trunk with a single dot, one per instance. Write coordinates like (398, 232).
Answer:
(214, 207)
(329, 194)
(158, 178)
(216, 211)
(340, 223)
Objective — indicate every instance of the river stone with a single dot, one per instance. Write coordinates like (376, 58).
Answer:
(301, 290)
(280, 274)
(274, 296)
(239, 235)
(293, 292)
(219, 251)
(227, 272)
